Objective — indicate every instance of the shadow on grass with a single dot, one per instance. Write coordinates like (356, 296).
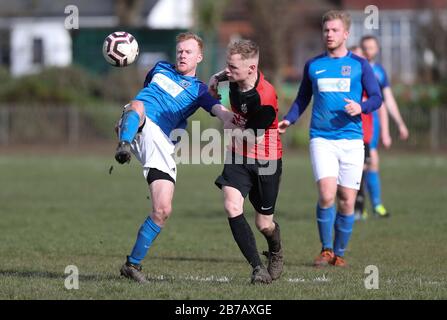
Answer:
(197, 259)
(110, 277)
(55, 275)
(95, 277)
(308, 264)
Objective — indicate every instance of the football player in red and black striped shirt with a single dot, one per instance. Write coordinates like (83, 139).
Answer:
(253, 163)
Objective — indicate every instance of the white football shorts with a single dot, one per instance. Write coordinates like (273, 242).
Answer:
(154, 149)
(342, 159)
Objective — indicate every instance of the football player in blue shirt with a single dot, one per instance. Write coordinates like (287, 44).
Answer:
(171, 94)
(370, 46)
(336, 79)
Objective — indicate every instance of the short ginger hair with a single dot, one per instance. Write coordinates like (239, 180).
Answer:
(189, 35)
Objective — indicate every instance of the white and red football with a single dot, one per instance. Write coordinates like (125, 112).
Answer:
(120, 49)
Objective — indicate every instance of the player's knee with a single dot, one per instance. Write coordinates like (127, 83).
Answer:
(374, 161)
(326, 200)
(138, 107)
(265, 228)
(264, 223)
(232, 208)
(346, 204)
(161, 213)
(374, 166)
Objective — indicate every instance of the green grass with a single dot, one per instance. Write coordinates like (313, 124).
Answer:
(67, 210)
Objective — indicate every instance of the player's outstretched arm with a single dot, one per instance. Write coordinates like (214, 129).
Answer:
(224, 115)
(301, 102)
(384, 127)
(393, 109)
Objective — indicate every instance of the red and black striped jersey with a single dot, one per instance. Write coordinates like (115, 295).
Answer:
(245, 104)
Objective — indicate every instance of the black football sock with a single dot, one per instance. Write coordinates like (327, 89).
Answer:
(360, 199)
(243, 235)
(273, 238)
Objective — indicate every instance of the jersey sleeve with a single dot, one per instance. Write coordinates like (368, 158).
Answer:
(205, 100)
(270, 99)
(384, 83)
(303, 98)
(372, 89)
(149, 76)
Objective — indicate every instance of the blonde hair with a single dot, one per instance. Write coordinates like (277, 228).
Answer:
(344, 16)
(189, 35)
(248, 49)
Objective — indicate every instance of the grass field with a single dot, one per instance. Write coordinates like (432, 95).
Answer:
(67, 210)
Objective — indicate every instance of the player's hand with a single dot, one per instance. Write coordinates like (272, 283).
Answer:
(352, 108)
(236, 122)
(283, 125)
(386, 141)
(230, 125)
(123, 154)
(247, 138)
(213, 87)
(403, 132)
(239, 121)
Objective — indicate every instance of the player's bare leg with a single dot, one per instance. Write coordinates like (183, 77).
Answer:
(270, 229)
(162, 192)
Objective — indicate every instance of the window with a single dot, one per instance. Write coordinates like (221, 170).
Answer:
(395, 35)
(38, 57)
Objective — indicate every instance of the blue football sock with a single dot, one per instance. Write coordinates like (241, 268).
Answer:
(129, 126)
(325, 220)
(148, 232)
(374, 188)
(343, 231)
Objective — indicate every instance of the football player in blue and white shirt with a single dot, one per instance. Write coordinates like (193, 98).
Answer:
(171, 94)
(336, 79)
(370, 46)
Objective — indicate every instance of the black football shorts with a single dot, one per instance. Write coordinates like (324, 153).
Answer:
(367, 153)
(259, 179)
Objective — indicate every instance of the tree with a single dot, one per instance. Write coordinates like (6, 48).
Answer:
(432, 46)
(208, 18)
(129, 12)
(271, 21)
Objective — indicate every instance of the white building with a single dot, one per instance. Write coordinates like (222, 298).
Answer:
(34, 36)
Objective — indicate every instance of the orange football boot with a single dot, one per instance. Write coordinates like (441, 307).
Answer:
(338, 262)
(324, 258)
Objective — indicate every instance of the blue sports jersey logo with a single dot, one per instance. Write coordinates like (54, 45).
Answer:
(346, 70)
(185, 84)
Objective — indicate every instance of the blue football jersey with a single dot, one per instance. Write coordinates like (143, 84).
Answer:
(170, 98)
(330, 81)
(382, 78)
(380, 74)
